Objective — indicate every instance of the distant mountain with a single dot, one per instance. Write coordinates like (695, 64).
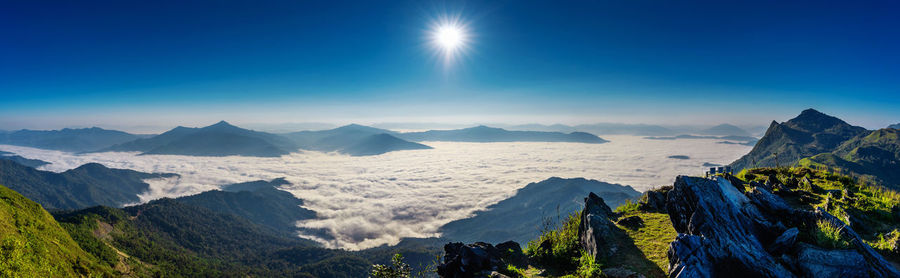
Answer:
(34, 244)
(725, 130)
(220, 139)
(88, 185)
(490, 134)
(809, 134)
(519, 218)
(732, 139)
(353, 139)
(875, 155)
(626, 129)
(70, 140)
(34, 163)
(894, 126)
(540, 127)
(260, 202)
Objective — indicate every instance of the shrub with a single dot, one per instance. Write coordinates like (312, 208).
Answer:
(587, 267)
(627, 207)
(398, 269)
(828, 235)
(557, 248)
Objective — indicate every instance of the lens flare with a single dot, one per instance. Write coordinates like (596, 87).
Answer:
(449, 37)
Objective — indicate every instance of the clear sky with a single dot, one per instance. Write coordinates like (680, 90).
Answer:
(151, 63)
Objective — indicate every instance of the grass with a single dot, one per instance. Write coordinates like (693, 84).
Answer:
(828, 235)
(32, 244)
(628, 207)
(557, 249)
(587, 267)
(652, 239)
(872, 207)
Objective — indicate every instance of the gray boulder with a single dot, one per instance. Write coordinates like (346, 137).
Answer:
(821, 263)
(597, 233)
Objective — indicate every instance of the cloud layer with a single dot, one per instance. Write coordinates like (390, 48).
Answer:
(364, 202)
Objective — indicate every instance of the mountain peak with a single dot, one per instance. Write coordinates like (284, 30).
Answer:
(810, 111)
(222, 123)
(811, 120)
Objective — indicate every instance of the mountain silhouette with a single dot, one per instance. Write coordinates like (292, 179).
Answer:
(69, 140)
(491, 134)
(725, 130)
(356, 140)
(220, 139)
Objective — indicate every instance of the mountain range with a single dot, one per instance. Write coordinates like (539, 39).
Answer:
(220, 139)
(239, 231)
(90, 184)
(729, 139)
(70, 140)
(519, 218)
(894, 126)
(814, 138)
(491, 134)
(224, 139)
(724, 130)
(21, 160)
(640, 129)
(258, 201)
(356, 140)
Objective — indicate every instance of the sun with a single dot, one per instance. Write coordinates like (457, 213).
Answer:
(450, 38)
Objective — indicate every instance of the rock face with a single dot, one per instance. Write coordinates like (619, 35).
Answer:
(817, 262)
(724, 232)
(596, 231)
(478, 259)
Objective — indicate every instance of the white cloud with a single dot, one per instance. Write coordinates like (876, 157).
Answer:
(368, 201)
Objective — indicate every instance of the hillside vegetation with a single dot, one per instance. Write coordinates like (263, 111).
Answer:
(32, 243)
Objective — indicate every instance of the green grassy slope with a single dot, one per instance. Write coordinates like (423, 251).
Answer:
(874, 156)
(32, 243)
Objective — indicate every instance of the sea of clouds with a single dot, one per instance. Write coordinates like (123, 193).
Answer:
(368, 201)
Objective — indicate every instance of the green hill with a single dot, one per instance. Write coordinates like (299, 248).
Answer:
(874, 156)
(32, 243)
(88, 185)
(809, 134)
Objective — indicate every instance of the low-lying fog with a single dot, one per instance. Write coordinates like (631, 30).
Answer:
(368, 201)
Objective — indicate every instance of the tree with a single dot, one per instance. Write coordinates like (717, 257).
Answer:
(399, 269)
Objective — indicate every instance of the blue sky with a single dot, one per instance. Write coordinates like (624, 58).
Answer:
(128, 63)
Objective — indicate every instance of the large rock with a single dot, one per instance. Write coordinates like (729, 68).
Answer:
(724, 232)
(597, 233)
(478, 259)
(721, 232)
(784, 242)
(821, 263)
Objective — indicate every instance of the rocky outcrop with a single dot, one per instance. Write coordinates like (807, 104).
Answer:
(654, 200)
(597, 233)
(479, 259)
(813, 261)
(726, 232)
